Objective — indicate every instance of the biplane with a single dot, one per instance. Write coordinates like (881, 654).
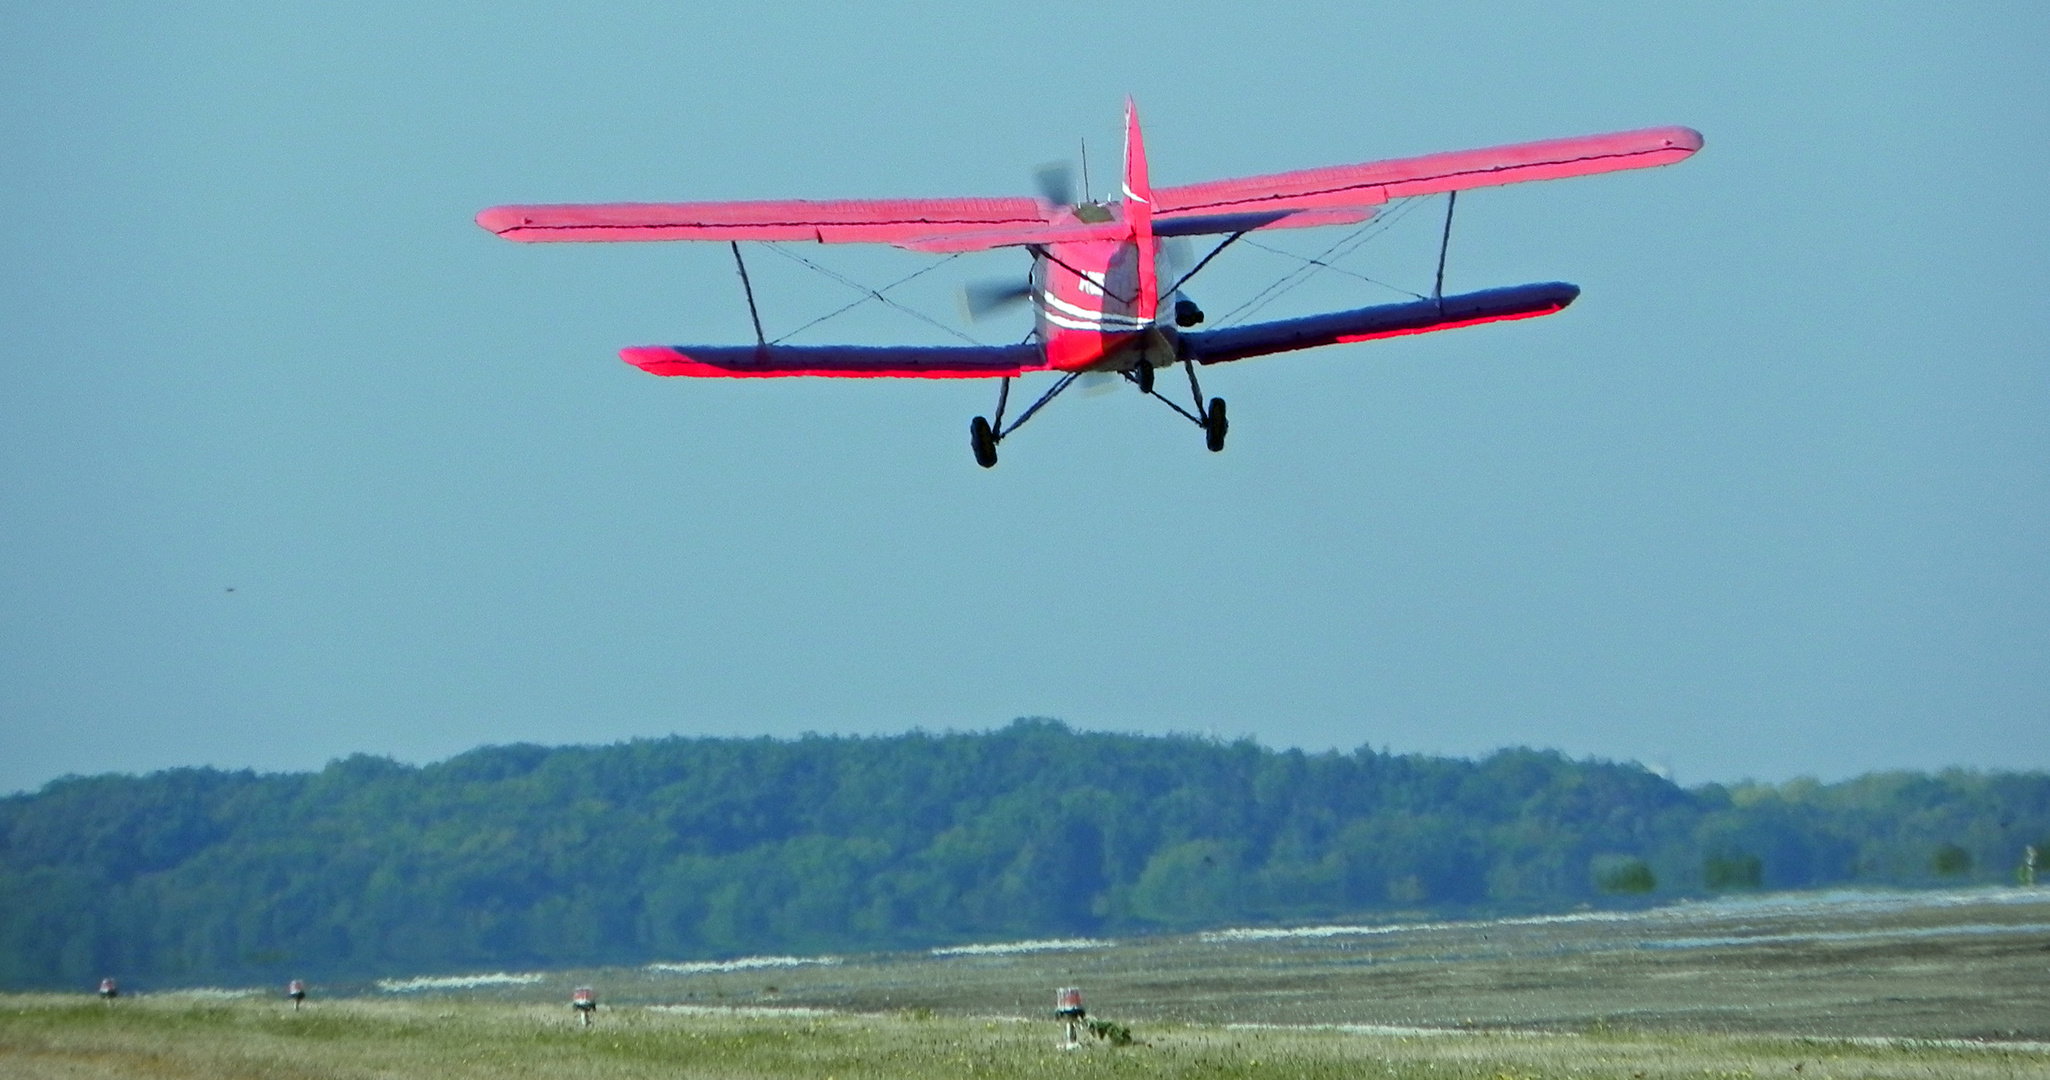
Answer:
(1105, 299)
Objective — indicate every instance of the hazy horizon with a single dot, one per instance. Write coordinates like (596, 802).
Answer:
(298, 462)
(1656, 768)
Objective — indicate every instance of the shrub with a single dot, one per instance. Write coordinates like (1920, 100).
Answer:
(1732, 870)
(1115, 1033)
(1623, 874)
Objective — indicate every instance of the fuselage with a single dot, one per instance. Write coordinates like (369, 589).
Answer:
(1098, 299)
(1091, 307)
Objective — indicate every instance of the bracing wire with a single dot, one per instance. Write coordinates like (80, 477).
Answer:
(1343, 247)
(868, 294)
(1340, 270)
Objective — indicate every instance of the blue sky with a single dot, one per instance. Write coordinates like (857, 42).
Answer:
(1770, 500)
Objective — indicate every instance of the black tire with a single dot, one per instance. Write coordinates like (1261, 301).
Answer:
(1215, 425)
(983, 441)
(1145, 374)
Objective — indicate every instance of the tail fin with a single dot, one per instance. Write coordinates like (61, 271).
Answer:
(1138, 189)
(1139, 211)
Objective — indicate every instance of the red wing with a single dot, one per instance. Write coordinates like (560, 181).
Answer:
(842, 361)
(846, 221)
(1376, 182)
(1388, 320)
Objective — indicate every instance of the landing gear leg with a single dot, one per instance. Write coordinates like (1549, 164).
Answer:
(984, 435)
(1212, 419)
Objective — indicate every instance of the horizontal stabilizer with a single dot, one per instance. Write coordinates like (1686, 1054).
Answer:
(1388, 320)
(1183, 225)
(1073, 232)
(1213, 224)
(837, 361)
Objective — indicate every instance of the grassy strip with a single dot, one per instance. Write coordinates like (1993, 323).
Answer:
(166, 1036)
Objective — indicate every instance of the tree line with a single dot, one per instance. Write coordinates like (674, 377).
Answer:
(685, 848)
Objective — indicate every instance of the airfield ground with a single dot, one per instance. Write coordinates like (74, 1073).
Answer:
(1904, 985)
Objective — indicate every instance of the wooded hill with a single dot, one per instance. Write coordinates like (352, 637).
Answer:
(669, 849)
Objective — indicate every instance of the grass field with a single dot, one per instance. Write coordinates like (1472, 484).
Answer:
(165, 1036)
(1927, 985)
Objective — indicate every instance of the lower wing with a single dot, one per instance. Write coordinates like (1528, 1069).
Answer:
(1204, 347)
(841, 361)
(1388, 320)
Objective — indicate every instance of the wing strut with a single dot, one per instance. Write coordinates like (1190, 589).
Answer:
(1444, 245)
(1214, 252)
(747, 287)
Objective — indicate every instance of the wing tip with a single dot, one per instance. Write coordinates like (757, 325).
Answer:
(1683, 138)
(664, 360)
(501, 220)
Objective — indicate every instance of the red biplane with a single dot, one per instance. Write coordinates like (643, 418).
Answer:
(1097, 267)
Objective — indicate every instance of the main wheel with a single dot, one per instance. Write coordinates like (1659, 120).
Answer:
(1145, 374)
(1215, 425)
(983, 441)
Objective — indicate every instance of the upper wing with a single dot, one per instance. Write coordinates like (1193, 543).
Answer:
(1296, 199)
(845, 361)
(845, 221)
(1376, 182)
(1387, 320)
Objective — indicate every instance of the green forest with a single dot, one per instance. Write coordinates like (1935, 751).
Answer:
(682, 848)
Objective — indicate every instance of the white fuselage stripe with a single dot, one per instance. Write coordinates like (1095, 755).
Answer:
(1066, 323)
(1052, 302)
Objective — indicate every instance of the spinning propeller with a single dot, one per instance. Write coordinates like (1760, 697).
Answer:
(981, 299)
(1056, 182)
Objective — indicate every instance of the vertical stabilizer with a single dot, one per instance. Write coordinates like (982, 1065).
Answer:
(1139, 211)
